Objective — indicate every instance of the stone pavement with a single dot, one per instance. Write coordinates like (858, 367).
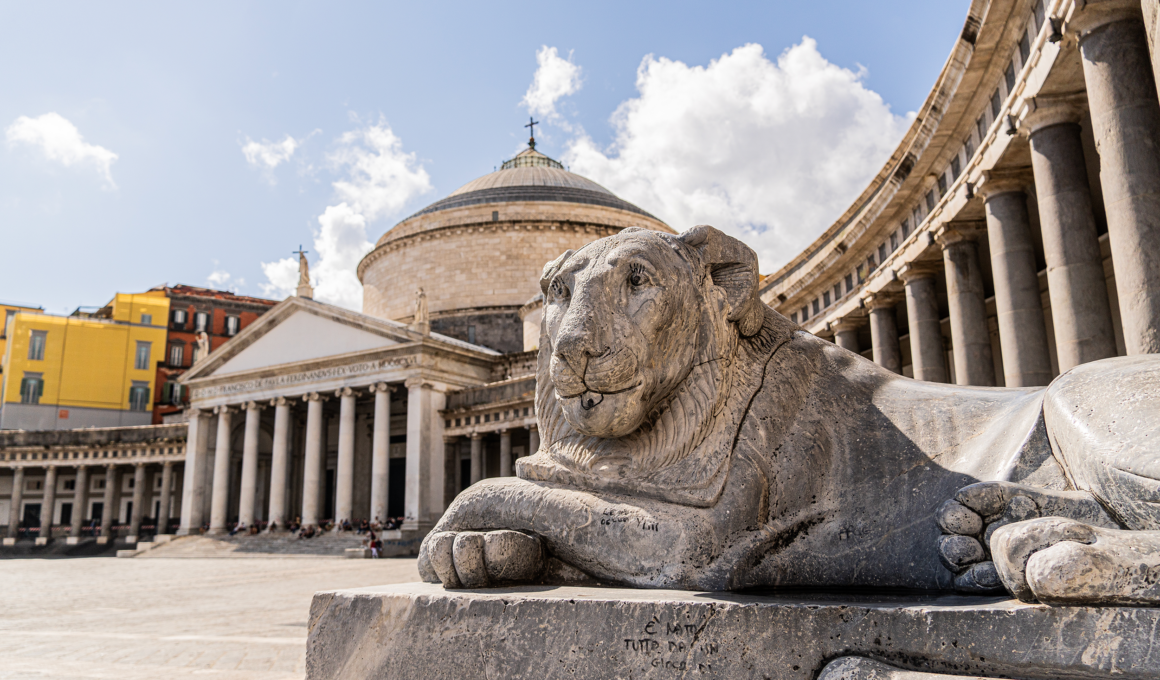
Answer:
(169, 618)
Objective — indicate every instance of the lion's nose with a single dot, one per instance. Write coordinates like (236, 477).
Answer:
(577, 352)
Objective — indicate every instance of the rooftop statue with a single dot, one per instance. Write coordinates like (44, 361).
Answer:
(693, 438)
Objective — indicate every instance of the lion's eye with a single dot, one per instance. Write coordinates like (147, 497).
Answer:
(636, 276)
(636, 280)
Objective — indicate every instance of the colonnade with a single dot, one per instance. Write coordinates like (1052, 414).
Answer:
(1121, 97)
(144, 474)
(423, 499)
(506, 461)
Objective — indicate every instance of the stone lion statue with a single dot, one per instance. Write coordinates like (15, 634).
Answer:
(693, 438)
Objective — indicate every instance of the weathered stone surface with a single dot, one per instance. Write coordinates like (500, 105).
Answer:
(693, 438)
(424, 631)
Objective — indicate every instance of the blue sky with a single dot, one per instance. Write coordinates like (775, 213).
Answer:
(391, 106)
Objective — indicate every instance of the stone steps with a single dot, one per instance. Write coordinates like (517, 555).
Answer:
(262, 545)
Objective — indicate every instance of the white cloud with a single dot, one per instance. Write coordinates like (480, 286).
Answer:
(222, 280)
(770, 152)
(60, 141)
(381, 179)
(269, 155)
(281, 278)
(555, 78)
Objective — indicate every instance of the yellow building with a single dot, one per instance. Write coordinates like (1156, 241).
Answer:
(84, 370)
(7, 311)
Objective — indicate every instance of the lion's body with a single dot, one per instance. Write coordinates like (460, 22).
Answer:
(797, 463)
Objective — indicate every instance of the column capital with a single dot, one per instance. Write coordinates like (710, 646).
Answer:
(382, 387)
(1004, 181)
(139, 464)
(313, 396)
(345, 392)
(279, 401)
(879, 300)
(450, 438)
(1088, 15)
(417, 381)
(847, 323)
(167, 464)
(912, 271)
(110, 466)
(476, 435)
(225, 408)
(503, 430)
(531, 427)
(254, 406)
(954, 233)
(193, 413)
(1045, 110)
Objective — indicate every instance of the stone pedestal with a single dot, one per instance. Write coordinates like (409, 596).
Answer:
(420, 630)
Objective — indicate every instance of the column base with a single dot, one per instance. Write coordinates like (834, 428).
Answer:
(42, 540)
(417, 527)
(131, 538)
(72, 540)
(217, 532)
(10, 541)
(104, 540)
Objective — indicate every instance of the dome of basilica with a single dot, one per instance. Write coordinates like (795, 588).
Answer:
(478, 252)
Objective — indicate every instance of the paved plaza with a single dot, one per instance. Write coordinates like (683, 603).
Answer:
(169, 618)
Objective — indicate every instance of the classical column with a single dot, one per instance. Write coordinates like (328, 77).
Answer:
(108, 512)
(16, 500)
(846, 334)
(926, 344)
(450, 469)
(1080, 312)
(344, 477)
(249, 491)
(312, 465)
(533, 440)
(505, 453)
(1018, 305)
(884, 332)
(476, 457)
(1125, 115)
(193, 486)
(220, 502)
(48, 504)
(974, 364)
(166, 497)
(423, 501)
(138, 510)
(279, 464)
(381, 451)
(80, 501)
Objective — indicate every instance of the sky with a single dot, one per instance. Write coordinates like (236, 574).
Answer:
(144, 143)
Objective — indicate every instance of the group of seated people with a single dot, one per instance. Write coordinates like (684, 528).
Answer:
(362, 526)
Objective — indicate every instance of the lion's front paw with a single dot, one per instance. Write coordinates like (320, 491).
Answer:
(977, 511)
(1014, 545)
(474, 559)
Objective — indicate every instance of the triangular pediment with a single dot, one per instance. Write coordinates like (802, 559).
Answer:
(302, 336)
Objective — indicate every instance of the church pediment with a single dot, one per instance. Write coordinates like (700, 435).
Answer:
(300, 330)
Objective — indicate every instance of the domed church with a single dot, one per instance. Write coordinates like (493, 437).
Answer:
(478, 253)
(324, 414)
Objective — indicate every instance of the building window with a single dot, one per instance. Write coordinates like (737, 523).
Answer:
(817, 306)
(826, 299)
(98, 484)
(996, 104)
(968, 148)
(1009, 77)
(805, 313)
(981, 126)
(176, 354)
(471, 334)
(894, 242)
(956, 168)
(1039, 18)
(232, 325)
(849, 283)
(31, 387)
(36, 345)
(141, 362)
(837, 292)
(171, 393)
(930, 200)
(139, 396)
(179, 317)
(942, 186)
(917, 215)
(1024, 49)
(793, 317)
(871, 265)
(882, 253)
(70, 485)
(146, 319)
(200, 322)
(905, 229)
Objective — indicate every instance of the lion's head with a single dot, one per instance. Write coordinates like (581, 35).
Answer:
(641, 336)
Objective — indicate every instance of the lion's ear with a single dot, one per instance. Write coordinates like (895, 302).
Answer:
(551, 268)
(733, 266)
